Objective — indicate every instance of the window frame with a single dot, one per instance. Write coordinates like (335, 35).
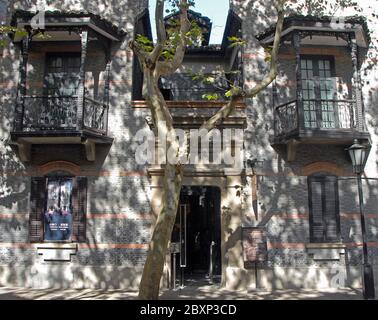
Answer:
(317, 58)
(38, 207)
(323, 179)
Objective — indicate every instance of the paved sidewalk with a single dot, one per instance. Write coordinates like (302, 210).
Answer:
(197, 293)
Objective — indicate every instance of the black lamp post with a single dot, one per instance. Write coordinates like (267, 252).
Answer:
(359, 154)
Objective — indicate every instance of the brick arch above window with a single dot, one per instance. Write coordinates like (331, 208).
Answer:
(323, 166)
(66, 166)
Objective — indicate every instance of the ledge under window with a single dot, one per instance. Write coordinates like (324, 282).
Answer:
(326, 251)
(56, 251)
(325, 245)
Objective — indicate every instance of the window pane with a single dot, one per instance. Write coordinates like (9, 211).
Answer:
(317, 211)
(62, 76)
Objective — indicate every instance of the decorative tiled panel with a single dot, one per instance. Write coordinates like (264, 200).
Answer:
(14, 230)
(120, 257)
(133, 231)
(9, 256)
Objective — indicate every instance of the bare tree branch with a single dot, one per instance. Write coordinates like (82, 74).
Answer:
(274, 55)
(160, 31)
(221, 114)
(169, 67)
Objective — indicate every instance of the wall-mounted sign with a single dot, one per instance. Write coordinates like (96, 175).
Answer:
(174, 247)
(254, 244)
(58, 225)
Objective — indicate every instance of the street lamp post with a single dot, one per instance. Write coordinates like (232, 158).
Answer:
(359, 154)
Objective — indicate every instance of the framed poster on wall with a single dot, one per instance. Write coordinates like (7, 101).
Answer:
(58, 215)
(254, 244)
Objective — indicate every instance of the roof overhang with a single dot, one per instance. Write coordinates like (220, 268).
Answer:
(329, 27)
(64, 21)
(233, 25)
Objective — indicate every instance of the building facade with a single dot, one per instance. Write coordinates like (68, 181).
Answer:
(77, 209)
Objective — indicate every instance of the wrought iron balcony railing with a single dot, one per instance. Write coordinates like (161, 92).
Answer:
(53, 113)
(315, 114)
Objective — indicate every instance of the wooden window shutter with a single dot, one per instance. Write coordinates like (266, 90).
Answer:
(37, 208)
(331, 214)
(316, 211)
(324, 209)
(79, 203)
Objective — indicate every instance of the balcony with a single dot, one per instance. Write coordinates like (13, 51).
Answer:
(67, 103)
(61, 120)
(59, 114)
(317, 121)
(321, 119)
(317, 96)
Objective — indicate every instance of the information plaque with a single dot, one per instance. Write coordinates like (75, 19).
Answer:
(254, 244)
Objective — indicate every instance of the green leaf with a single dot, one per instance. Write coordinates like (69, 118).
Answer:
(21, 33)
(210, 96)
(43, 36)
(228, 93)
(7, 29)
(236, 42)
(145, 43)
(268, 49)
(209, 80)
(3, 42)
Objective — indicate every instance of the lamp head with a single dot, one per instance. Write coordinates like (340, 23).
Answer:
(359, 154)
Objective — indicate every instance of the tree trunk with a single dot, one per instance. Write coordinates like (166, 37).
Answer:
(153, 268)
(173, 174)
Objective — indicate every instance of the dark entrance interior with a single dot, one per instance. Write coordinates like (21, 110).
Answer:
(198, 231)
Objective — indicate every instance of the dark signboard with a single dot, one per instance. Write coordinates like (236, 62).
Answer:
(58, 225)
(174, 247)
(254, 244)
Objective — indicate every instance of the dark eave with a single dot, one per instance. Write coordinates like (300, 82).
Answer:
(144, 16)
(233, 24)
(71, 19)
(213, 50)
(356, 24)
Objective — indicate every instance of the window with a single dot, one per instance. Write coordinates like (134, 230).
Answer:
(62, 74)
(58, 209)
(324, 209)
(60, 91)
(319, 91)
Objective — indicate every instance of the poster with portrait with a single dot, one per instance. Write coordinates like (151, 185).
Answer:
(254, 244)
(58, 215)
